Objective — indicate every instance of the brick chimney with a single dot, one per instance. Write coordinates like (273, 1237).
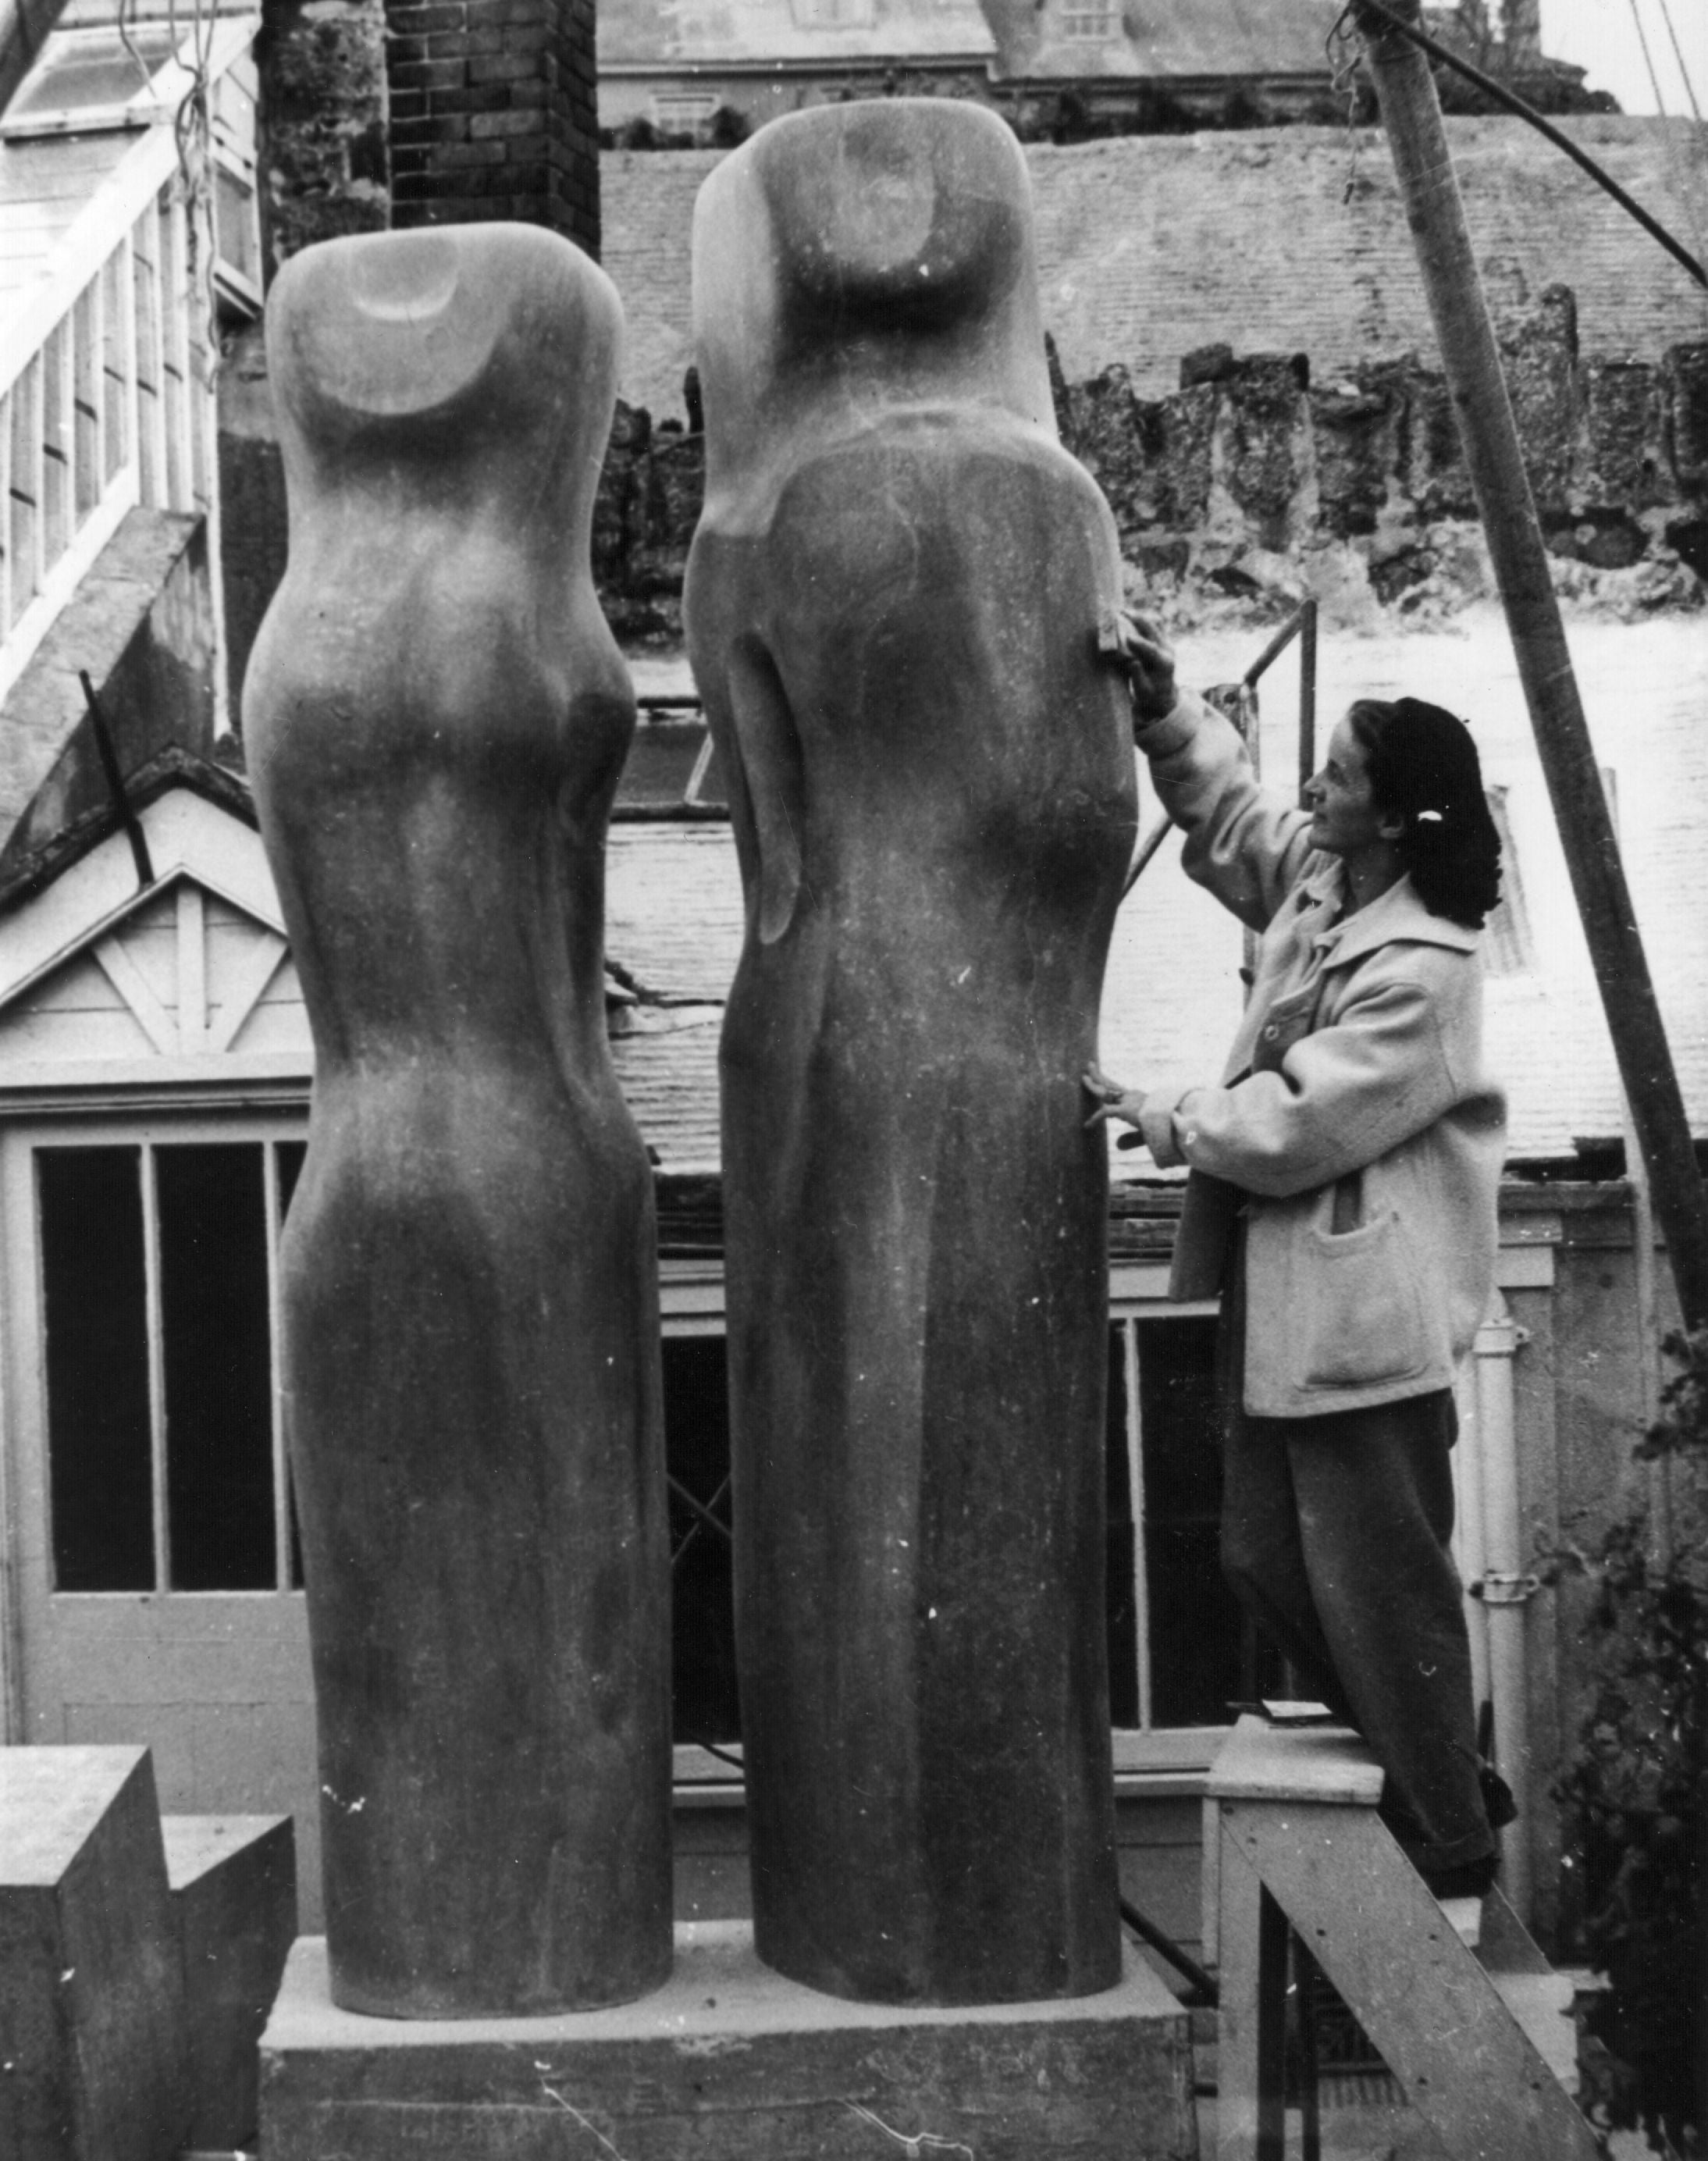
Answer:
(493, 113)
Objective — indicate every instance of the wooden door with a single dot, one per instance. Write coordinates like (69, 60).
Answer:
(154, 1593)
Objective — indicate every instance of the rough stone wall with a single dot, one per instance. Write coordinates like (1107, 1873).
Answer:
(493, 113)
(1256, 482)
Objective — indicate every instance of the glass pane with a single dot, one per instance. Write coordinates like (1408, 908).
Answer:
(218, 1366)
(96, 1294)
(703, 1632)
(1120, 1612)
(289, 1156)
(1194, 1617)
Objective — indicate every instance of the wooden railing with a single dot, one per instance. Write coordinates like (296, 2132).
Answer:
(106, 394)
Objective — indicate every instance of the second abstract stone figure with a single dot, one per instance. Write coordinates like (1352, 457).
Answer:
(892, 608)
(437, 719)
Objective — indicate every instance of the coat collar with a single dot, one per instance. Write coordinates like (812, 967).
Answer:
(1396, 917)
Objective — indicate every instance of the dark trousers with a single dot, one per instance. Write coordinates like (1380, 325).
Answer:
(1335, 1535)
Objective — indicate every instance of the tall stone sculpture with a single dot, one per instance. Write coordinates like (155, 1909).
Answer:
(893, 607)
(436, 719)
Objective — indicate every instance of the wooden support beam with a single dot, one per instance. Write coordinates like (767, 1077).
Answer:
(1411, 112)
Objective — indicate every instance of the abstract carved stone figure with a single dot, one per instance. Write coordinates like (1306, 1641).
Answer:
(893, 607)
(437, 717)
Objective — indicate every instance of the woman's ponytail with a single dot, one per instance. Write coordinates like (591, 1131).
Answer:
(1424, 771)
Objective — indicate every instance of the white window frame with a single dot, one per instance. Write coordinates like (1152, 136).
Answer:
(1088, 22)
(683, 112)
(151, 1134)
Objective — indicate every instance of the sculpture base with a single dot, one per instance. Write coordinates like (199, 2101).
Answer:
(729, 2062)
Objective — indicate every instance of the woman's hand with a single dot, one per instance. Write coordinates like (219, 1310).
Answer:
(1148, 660)
(1112, 1101)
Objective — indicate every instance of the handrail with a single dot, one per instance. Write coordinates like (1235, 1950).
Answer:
(1302, 625)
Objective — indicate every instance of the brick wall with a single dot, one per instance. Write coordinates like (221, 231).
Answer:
(493, 113)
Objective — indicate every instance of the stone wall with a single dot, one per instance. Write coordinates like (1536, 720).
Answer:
(1261, 479)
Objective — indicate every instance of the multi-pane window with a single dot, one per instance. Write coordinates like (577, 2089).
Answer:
(1164, 1491)
(165, 1468)
(1087, 22)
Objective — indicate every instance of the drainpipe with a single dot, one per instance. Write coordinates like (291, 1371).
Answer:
(1470, 1551)
(1504, 1589)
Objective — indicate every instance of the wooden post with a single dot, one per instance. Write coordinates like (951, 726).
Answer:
(1412, 114)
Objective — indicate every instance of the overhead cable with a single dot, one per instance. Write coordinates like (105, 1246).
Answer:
(1514, 103)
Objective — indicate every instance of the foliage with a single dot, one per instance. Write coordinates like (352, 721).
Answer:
(728, 127)
(1636, 1789)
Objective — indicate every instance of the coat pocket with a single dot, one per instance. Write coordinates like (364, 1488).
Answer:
(1361, 1308)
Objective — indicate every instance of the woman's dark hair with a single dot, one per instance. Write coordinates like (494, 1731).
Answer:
(1424, 769)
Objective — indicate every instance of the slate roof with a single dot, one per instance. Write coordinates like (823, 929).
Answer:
(1173, 992)
(668, 34)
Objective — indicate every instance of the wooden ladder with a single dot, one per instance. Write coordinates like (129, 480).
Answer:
(1481, 2041)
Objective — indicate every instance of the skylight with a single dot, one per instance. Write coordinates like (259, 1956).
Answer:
(86, 82)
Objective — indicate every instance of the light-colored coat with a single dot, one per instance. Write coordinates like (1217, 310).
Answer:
(1355, 1115)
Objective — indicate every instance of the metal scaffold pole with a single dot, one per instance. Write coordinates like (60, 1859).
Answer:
(1411, 113)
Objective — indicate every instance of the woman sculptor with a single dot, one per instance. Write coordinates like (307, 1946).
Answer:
(1341, 1196)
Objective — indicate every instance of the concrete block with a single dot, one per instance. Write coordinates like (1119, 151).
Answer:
(92, 2058)
(233, 1882)
(730, 2061)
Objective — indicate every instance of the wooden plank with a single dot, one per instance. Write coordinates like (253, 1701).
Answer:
(88, 401)
(117, 429)
(7, 609)
(126, 978)
(1427, 2006)
(1327, 1764)
(174, 380)
(57, 447)
(244, 994)
(150, 364)
(1251, 2025)
(192, 971)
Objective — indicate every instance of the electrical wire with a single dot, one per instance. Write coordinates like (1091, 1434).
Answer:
(1514, 103)
(1666, 16)
(1681, 179)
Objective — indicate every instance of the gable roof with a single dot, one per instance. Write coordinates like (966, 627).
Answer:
(106, 982)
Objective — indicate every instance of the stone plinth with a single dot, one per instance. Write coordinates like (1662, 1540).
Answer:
(91, 2002)
(730, 2061)
(233, 1883)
